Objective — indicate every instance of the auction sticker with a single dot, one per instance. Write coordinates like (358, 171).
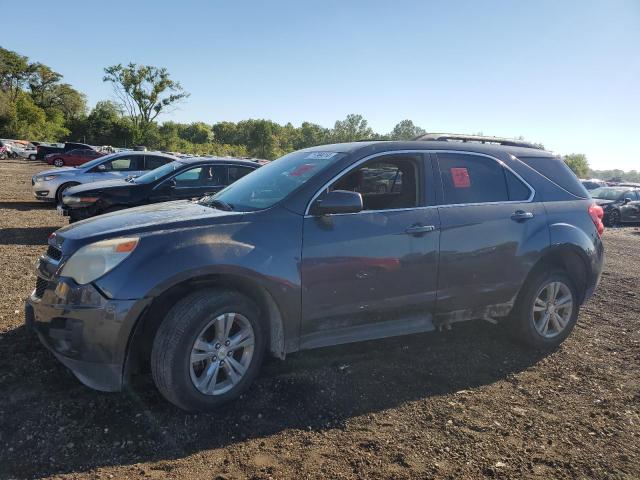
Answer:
(320, 155)
(460, 177)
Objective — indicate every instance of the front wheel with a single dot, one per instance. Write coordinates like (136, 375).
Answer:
(32, 157)
(208, 349)
(547, 310)
(58, 162)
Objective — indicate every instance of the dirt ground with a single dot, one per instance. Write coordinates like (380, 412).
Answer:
(462, 404)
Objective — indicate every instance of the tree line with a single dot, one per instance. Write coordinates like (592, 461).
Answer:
(36, 104)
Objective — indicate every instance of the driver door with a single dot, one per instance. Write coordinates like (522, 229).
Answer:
(373, 273)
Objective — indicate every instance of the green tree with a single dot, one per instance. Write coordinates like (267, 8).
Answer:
(578, 163)
(406, 130)
(14, 72)
(351, 129)
(144, 92)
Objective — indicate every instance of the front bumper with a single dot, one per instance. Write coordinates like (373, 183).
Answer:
(45, 191)
(87, 332)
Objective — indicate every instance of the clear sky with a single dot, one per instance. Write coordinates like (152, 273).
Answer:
(565, 73)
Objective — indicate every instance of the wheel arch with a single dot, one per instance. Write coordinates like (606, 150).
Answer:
(568, 258)
(138, 350)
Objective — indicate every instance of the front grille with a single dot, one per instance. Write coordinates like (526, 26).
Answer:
(41, 286)
(54, 253)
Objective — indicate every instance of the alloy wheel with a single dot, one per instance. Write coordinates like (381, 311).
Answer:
(552, 309)
(221, 354)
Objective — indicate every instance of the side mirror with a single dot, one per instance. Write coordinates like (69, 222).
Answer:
(102, 167)
(627, 200)
(337, 201)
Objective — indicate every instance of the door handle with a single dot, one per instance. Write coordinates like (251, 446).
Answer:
(521, 215)
(418, 229)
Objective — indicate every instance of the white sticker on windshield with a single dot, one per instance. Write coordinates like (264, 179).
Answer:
(320, 155)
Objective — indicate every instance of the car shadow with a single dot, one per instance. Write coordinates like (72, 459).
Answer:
(26, 235)
(55, 425)
(26, 206)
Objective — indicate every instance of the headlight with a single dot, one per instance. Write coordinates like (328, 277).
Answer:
(45, 178)
(94, 260)
(71, 200)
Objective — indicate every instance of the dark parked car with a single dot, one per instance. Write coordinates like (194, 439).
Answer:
(44, 149)
(593, 184)
(72, 158)
(620, 204)
(181, 179)
(303, 253)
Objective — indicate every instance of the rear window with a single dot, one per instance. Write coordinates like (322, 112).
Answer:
(558, 172)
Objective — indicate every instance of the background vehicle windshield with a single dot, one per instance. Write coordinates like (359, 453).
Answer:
(158, 173)
(606, 193)
(98, 161)
(269, 184)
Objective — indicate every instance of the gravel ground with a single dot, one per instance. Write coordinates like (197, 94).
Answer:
(466, 403)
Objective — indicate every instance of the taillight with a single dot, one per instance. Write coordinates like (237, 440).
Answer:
(596, 213)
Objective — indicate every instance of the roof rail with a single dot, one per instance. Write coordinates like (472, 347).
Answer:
(455, 137)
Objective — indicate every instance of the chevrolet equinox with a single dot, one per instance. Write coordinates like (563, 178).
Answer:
(327, 245)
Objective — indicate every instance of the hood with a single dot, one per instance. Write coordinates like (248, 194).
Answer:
(603, 202)
(56, 171)
(138, 220)
(99, 186)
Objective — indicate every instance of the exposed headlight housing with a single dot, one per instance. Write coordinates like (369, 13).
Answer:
(94, 260)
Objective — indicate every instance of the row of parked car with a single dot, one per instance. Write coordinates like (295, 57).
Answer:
(620, 200)
(106, 183)
(327, 245)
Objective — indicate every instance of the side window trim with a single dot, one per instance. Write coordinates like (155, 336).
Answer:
(422, 175)
(499, 162)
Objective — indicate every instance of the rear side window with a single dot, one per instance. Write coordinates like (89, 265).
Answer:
(236, 173)
(151, 162)
(471, 179)
(558, 172)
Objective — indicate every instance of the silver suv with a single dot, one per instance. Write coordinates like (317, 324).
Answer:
(51, 184)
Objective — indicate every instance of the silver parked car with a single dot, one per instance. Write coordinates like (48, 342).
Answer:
(51, 184)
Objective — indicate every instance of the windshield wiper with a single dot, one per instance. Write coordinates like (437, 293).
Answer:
(215, 203)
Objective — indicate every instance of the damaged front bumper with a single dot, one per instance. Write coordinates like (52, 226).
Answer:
(86, 331)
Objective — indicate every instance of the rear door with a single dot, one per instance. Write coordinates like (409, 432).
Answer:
(489, 224)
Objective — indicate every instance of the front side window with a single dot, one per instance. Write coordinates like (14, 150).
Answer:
(203, 176)
(471, 179)
(271, 183)
(159, 172)
(384, 183)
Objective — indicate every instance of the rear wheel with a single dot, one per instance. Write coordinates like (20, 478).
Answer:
(58, 162)
(613, 219)
(208, 349)
(547, 310)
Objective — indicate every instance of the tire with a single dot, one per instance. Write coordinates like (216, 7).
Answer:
(174, 371)
(613, 219)
(58, 162)
(525, 323)
(32, 157)
(61, 189)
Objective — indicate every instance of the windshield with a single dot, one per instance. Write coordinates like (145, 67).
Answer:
(159, 172)
(98, 161)
(268, 185)
(606, 193)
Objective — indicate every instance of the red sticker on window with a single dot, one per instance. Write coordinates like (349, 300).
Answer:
(460, 177)
(302, 169)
